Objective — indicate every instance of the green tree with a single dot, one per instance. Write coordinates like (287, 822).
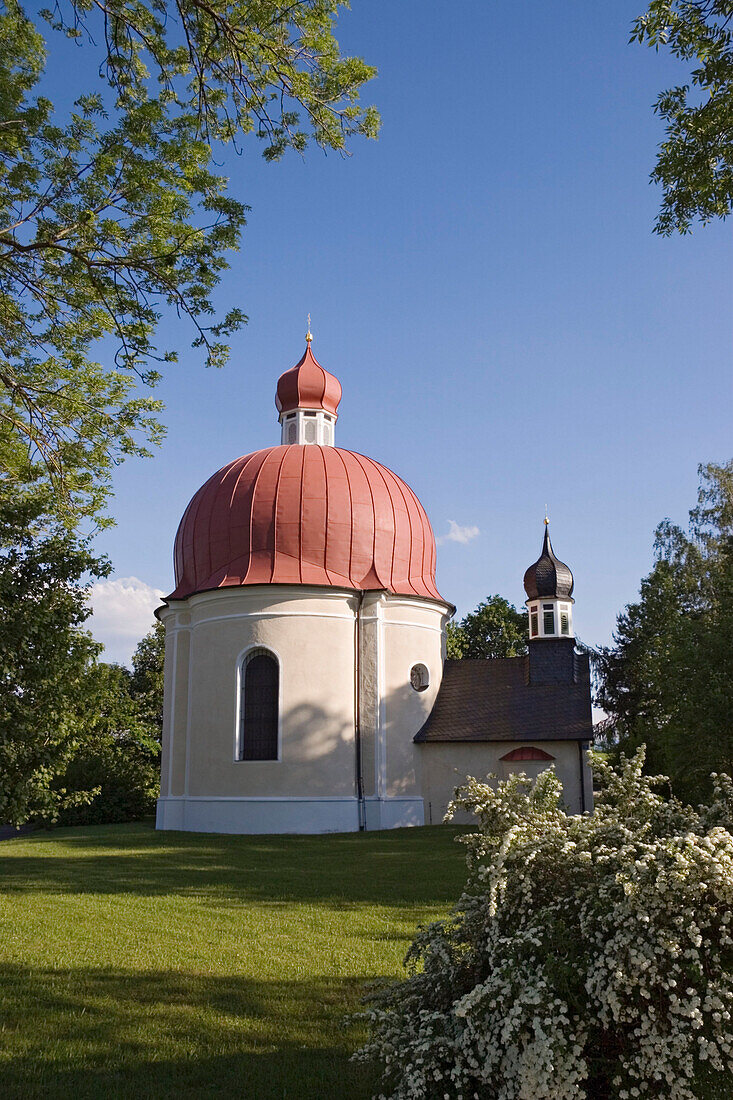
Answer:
(112, 214)
(117, 758)
(668, 679)
(45, 657)
(146, 681)
(494, 629)
(695, 162)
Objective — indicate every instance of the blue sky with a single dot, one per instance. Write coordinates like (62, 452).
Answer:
(485, 282)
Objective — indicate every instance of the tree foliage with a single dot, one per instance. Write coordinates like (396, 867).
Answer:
(695, 162)
(668, 679)
(494, 629)
(79, 739)
(588, 957)
(113, 214)
(146, 680)
(45, 655)
(117, 756)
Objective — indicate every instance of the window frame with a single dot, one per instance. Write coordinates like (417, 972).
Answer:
(424, 673)
(239, 688)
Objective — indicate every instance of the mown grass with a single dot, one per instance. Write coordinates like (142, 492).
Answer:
(141, 964)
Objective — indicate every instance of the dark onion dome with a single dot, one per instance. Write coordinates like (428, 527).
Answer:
(305, 514)
(548, 577)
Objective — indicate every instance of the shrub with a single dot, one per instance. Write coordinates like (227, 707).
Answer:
(588, 956)
(122, 776)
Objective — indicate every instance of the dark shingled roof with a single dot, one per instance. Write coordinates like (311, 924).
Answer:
(491, 700)
(548, 576)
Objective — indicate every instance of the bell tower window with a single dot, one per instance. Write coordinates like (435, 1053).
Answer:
(308, 426)
(548, 618)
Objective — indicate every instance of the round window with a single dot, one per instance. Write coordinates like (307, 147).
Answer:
(419, 677)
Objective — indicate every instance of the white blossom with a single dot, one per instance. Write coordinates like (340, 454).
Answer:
(587, 955)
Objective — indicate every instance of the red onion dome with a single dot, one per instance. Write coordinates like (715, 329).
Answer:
(307, 385)
(305, 514)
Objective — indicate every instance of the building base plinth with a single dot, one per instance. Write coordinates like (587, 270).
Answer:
(394, 813)
(200, 814)
(258, 815)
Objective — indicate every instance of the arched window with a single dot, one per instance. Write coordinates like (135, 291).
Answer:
(258, 707)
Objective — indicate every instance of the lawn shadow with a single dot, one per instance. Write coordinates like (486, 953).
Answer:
(398, 868)
(89, 1033)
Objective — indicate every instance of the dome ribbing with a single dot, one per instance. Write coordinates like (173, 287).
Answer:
(305, 514)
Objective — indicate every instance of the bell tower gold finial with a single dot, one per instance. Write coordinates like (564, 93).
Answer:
(309, 334)
(547, 518)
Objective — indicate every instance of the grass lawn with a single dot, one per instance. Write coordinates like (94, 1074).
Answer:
(144, 964)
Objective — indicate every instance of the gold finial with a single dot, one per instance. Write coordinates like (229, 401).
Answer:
(309, 334)
(547, 521)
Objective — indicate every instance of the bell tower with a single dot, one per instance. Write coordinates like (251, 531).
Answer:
(307, 398)
(549, 587)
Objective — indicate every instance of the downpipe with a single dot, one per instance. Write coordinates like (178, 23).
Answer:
(361, 803)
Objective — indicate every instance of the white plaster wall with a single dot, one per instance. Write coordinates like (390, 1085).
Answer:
(397, 633)
(445, 766)
(313, 632)
(311, 788)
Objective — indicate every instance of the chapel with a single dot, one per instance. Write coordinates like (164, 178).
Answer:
(306, 684)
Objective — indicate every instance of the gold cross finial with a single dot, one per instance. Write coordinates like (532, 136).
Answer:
(547, 521)
(309, 334)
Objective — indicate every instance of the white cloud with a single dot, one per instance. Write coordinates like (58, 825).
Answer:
(122, 612)
(456, 533)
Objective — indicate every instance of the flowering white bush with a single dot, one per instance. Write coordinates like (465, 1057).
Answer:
(588, 956)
